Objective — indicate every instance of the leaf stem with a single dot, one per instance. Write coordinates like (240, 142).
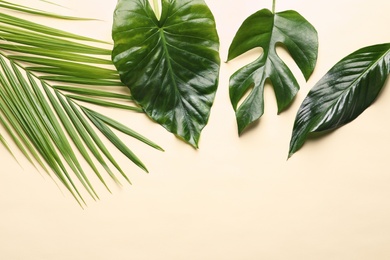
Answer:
(273, 6)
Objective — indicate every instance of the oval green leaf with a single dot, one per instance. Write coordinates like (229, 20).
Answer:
(171, 64)
(343, 93)
(266, 29)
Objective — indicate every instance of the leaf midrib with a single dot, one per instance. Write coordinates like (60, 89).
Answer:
(166, 53)
(363, 74)
(170, 71)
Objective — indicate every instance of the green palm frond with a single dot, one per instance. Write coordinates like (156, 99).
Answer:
(47, 79)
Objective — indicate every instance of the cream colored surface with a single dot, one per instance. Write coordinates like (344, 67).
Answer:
(234, 198)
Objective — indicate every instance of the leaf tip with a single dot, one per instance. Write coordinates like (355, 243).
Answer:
(143, 167)
(289, 155)
(160, 148)
(195, 146)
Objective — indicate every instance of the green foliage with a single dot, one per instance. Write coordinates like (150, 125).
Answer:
(44, 74)
(343, 93)
(171, 64)
(266, 29)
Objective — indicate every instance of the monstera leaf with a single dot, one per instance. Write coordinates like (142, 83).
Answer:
(343, 93)
(266, 29)
(170, 64)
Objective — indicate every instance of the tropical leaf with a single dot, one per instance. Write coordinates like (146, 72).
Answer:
(47, 78)
(266, 29)
(26, 9)
(345, 91)
(171, 64)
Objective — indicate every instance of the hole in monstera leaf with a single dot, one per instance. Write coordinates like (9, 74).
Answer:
(246, 94)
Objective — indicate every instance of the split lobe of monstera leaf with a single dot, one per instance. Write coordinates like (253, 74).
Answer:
(170, 64)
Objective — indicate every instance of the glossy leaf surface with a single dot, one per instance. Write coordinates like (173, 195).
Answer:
(343, 93)
(266, 29)
(171, 64)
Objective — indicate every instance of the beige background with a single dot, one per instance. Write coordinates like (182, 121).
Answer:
(234, 198)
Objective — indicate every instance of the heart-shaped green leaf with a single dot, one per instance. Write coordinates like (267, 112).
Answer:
(171, 64)
(343, 93)
(266, 29)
